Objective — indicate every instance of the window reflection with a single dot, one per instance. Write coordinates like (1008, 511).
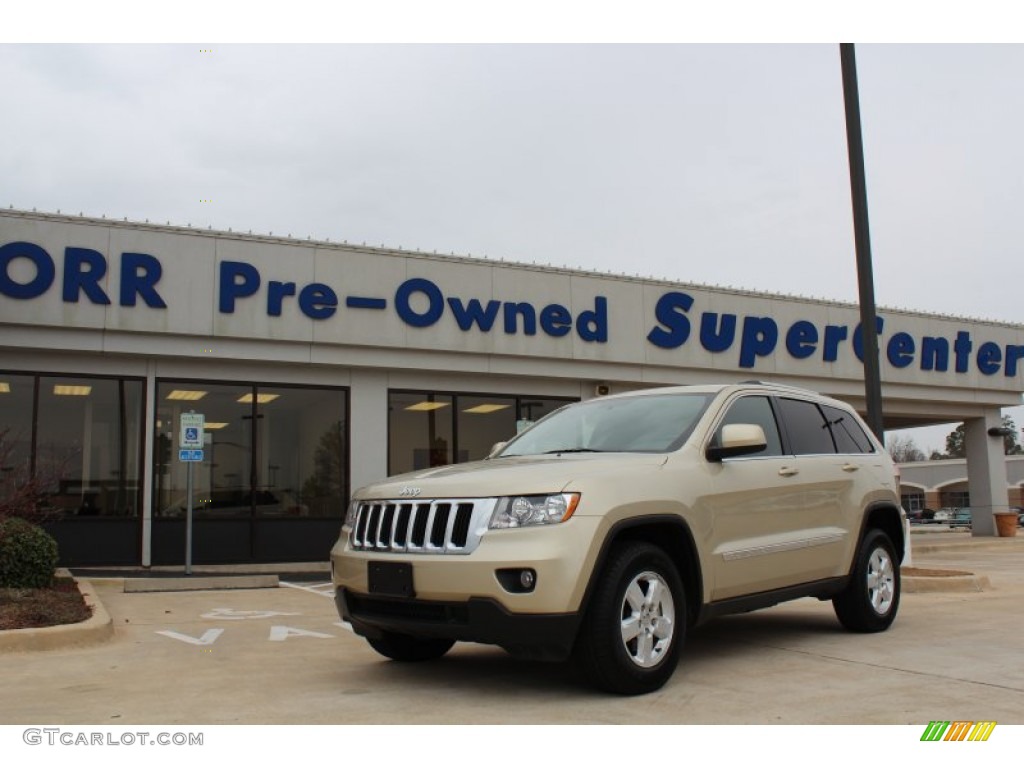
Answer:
(430, 429)
(16, 407)
(271, 451)
(300, 448)
(79, 437)
(421, 429)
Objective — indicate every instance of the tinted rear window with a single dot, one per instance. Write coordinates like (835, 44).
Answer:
(806, 426)
(847, 432)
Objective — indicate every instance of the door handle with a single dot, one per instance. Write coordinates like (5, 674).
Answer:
(788, 471)
(850, 467)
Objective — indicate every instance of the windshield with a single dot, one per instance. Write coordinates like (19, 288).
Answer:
(642, 424)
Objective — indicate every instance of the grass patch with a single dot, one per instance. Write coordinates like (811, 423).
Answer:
(60, 604)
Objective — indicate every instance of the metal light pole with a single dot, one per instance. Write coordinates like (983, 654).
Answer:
(865, 276)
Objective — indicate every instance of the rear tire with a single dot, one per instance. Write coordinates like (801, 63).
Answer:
(407, 648)
(871, 599)
(635, 625)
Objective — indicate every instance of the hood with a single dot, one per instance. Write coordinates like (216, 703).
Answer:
(512, 476)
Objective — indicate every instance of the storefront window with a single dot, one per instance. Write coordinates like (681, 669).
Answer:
(301, 449)
(429, 429)
(79, 436)
(483, 421)
(420, 430)
(16, 409)
(271, 451)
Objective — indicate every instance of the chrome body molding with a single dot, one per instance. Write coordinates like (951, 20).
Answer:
(744, 549)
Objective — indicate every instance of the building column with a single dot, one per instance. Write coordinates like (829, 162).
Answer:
(368, 428)
(148, 417)
(986, 472)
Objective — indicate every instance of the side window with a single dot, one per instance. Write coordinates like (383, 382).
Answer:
(847, 432)
(754, 410)
(806, 426)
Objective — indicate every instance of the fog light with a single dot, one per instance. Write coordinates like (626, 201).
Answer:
(518, 581)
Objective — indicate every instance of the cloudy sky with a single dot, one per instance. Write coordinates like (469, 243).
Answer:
(706, 163)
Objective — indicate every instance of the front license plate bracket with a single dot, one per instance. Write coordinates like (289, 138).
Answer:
(390, 579)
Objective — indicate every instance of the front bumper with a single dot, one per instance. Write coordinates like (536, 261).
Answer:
(461, 597)
(546, 637)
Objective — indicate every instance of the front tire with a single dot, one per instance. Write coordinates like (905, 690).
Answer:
(635, 626)
(871, 599)
(407, 648)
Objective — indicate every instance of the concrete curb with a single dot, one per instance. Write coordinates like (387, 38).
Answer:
(97, 628)
(191, 583)
(952, 583)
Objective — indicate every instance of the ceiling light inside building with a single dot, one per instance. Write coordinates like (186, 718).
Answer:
(262, 397)
(487, 408)
(77, 390)
(186, 394)
(425, 405)
(215, 425)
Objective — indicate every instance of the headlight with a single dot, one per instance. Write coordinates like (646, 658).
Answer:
(350, 516)
(517, 511)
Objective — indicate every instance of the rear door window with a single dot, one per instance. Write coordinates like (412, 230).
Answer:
(806, 426)
(847, 432)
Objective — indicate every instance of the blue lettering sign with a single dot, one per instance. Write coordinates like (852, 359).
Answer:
(421, 303)
(435, 302)
(83, 270)
(318, 301)
(35, 287)
(238, 280)
(760, 335)
(717, 336)
(901, 350)
(140, 273)
(670, 312)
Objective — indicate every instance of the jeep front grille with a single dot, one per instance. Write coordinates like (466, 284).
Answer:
(439, 526)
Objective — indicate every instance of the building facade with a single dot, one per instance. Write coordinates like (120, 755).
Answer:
(319, 367)
(944, 484)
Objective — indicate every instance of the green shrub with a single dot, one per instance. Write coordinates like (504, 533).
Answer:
(28, 555)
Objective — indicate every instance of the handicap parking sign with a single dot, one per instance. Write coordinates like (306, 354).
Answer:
(191, 436)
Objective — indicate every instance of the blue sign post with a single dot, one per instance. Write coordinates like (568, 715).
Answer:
(190, 450)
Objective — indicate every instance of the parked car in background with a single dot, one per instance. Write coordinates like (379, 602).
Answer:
(961, 518)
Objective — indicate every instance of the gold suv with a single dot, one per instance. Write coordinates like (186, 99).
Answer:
(612, 526)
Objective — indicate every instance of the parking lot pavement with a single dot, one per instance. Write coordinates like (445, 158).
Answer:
(281, 656)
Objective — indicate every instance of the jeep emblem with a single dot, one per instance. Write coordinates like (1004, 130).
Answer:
(409, 490)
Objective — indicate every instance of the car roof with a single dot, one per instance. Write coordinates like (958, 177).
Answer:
(743, 386)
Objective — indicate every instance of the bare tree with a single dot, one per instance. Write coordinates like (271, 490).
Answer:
(903, 449)
(23, 493)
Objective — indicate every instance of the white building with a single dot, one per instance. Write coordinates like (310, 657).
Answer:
(321, 366)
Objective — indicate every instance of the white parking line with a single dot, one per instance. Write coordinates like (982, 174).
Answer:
(324, 590)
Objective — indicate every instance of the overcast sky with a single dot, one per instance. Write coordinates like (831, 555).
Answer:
(714, 164)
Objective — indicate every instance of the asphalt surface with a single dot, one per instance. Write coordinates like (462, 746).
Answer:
(281, 656)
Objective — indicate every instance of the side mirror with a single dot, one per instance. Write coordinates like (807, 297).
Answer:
(496, 448)
(738, 440)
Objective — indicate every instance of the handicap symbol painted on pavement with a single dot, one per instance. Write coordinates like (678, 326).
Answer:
(231, 613)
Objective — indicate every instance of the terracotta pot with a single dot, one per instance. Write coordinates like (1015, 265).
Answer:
(1006, 523)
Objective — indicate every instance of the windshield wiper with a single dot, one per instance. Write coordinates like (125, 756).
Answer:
(575, 450)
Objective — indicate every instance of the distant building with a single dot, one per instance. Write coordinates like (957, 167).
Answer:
(943, 483)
